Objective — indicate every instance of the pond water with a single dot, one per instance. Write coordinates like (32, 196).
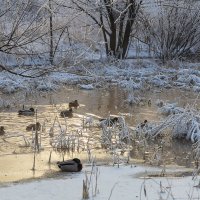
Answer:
(16, 158)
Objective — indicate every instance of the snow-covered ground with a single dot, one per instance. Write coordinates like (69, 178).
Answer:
(125, 183)
(133, 74)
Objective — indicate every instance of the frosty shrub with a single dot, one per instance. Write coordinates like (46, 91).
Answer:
(63, 143)
(116, 138)
(181, 122)
(174, 31)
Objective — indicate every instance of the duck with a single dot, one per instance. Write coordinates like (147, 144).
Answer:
(34, 127)
(143, 124)
(109, 121)
(73, 165)
(74, 104)
(149, 102)
(67, 113)
(2, 130)
(25, 112)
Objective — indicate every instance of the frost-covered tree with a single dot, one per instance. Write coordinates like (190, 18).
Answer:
(115, 19)
(174, 30)
(21, 25)
(30, 34)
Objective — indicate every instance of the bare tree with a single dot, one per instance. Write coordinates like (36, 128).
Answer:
(115, 19)
(26, 32)
(21, 26)
(174, 31)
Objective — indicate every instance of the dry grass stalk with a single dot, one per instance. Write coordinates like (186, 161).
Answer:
(91, 183)
(50, 157)
(33, 168)
(36, 134)
(117, 138)
(85, 188)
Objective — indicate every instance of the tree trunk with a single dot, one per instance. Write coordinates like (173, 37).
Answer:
(113, 40)
(126, 38)
(104, 34)
(132, 13)
(108, 5)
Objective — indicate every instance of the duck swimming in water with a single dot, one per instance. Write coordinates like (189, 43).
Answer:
(2, 130)
(74, 104)
(73, 165)
(67, 113)
(25, 112)
(34, 127)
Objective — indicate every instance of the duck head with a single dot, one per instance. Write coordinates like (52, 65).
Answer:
(38, 124)
(32, 109)
(79, 166)
(77, 160)
(115, 119)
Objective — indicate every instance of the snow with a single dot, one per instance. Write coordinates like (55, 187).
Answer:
(170, 108)
(127, 74)
(86, 87)
(125, 183)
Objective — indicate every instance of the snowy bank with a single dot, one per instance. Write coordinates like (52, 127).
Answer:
(126, 73)
(113, 183)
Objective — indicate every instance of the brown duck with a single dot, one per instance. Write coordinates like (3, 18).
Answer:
(34, 127)
(74, 104)
(2, 130)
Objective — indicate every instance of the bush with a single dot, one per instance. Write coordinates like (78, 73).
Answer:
(174, 32)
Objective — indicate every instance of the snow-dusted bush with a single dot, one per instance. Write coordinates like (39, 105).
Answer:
(5, 103)
(182, 123)
(173, 29)
(130, 84)
(86, 87)
(65, 142)
(132, 99)
(115, 135)
(170, 108)
(159, 80)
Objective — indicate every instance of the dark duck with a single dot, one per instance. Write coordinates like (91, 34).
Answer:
(73, 165)
(67, 113)
(26, 112)
(142, 125)
(109, 121)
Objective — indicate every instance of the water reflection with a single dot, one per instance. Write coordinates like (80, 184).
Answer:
(99, 104)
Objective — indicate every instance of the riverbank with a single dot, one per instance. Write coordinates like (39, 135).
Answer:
(112, 183)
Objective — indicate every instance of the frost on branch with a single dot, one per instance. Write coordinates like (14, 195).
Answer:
(181, 122)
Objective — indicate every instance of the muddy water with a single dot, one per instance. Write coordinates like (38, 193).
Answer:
(16, 156)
